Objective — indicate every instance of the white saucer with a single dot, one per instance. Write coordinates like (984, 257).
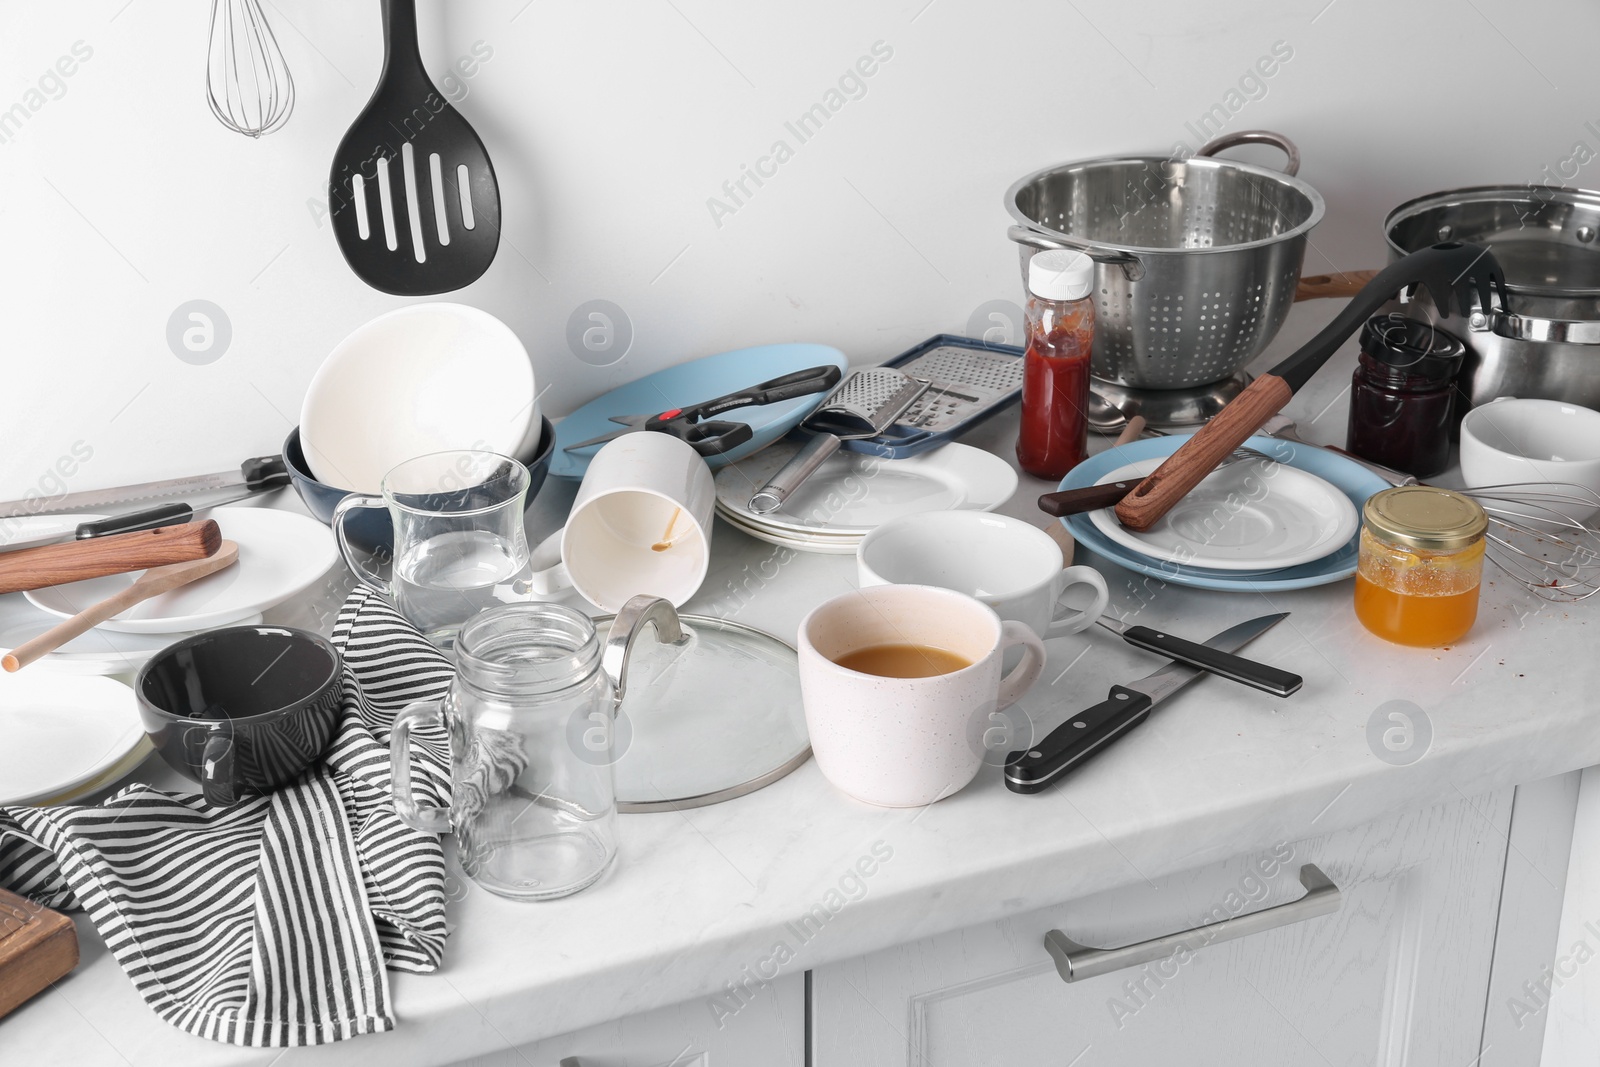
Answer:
(61, 733)
(1242, 517)
(280, 554)
(853, 493)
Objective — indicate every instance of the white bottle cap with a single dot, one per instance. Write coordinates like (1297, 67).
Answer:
(1060, 274)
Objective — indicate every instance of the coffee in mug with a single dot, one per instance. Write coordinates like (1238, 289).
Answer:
(902, 685)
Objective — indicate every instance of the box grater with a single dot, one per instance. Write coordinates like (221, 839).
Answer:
(970, 381)
(864, 405)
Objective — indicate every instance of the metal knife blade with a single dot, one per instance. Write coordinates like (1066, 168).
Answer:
(1212, 660)
(1091, 731)
(254, 475)
(79, 527)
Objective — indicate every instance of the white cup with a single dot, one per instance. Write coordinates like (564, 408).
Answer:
(905, 742)
(1515, 440)
(1008, 564)
(641, 524)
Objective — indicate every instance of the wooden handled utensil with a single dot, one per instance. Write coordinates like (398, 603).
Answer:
(1338, 284)
(151, 583)
(96, 557)
(1453, 273)
(1065, 502)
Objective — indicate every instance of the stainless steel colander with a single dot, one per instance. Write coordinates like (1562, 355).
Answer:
(1196, 260)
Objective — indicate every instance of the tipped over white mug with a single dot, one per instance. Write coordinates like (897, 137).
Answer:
(641, 524)
(906, 742)
(1011, 565)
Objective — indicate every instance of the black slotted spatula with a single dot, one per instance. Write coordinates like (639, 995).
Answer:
(414, 202)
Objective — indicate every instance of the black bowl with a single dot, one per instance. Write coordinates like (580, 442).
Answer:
(243, 709)
(369, 528)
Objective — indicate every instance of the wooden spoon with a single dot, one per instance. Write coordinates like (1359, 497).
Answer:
(151, 583)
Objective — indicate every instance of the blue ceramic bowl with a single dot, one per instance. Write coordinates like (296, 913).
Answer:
(369, 527)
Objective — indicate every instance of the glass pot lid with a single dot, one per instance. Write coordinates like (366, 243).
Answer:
(706, 709)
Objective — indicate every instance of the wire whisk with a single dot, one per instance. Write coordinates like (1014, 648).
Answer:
(1538, 536)
(247, 81)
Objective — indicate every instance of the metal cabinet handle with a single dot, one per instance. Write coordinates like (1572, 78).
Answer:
(1075, 961)
(570, 1061)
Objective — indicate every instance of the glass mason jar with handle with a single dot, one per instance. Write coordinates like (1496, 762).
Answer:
(529, 719)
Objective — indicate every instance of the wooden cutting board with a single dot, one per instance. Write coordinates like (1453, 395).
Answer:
(37, 946)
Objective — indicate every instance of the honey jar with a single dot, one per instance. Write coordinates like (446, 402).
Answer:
(1420, 566)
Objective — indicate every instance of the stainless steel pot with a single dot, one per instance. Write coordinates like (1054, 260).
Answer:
(1547, 343)
(1196, 260)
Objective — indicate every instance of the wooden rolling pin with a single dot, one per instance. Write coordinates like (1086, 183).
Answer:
(152, 582)
(96, 557)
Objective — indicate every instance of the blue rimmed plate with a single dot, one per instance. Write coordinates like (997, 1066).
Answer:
(1350, 478)
(695, 381)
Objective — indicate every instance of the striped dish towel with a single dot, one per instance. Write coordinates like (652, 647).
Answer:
(268, 922)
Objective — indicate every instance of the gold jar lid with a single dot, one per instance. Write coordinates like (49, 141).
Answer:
(1425, 517)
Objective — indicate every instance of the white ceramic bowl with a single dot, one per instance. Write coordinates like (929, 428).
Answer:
(1537, 441)
(420, 379)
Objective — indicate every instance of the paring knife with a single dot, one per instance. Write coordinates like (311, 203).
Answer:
(1089, 732)
(1261, 676)
(252, 476)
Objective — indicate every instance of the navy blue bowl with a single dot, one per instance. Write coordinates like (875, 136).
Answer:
(369, 528)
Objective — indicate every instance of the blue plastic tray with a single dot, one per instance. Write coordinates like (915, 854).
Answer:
(694, 381)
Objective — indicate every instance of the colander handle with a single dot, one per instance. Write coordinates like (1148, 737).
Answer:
(1277, 140)
(1131, 264)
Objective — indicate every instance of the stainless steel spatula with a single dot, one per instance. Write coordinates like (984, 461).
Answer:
(865, 405)
(414, 202)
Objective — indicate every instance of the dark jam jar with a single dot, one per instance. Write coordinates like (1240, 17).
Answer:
(1402, 395)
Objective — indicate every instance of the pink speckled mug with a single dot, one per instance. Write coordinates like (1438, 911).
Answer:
(906, 742)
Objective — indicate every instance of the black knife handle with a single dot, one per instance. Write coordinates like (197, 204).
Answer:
(148, 519)
(1075, 740)
(1089, 498)
(1235, 668)
(264, 472)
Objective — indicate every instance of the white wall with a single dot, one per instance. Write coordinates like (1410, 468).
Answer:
(611, 124)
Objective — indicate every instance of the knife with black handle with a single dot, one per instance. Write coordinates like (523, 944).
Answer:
(1093, 730)
(1262, 676)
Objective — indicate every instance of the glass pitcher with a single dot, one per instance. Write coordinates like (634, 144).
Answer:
(529, 719)
(459, 542)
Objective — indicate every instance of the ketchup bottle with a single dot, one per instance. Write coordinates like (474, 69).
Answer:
(1055, 380)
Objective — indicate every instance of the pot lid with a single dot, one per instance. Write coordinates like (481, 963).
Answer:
(1546, 238)
(708, 709)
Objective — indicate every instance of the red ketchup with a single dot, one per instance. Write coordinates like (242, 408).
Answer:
(1055, 383)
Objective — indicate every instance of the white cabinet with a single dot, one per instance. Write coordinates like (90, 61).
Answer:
(767, 1030)
(1398, 975)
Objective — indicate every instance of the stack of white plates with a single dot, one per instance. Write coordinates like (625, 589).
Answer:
(852, 494)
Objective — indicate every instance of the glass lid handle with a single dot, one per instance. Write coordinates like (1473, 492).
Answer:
(625, 627)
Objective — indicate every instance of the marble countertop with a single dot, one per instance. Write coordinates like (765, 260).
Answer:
(698, 895)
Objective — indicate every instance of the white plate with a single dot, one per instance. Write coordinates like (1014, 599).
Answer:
(829, 545)
(852, 493)
(280, 554)
(1240, 518)
(424, 378)
(61, 733)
